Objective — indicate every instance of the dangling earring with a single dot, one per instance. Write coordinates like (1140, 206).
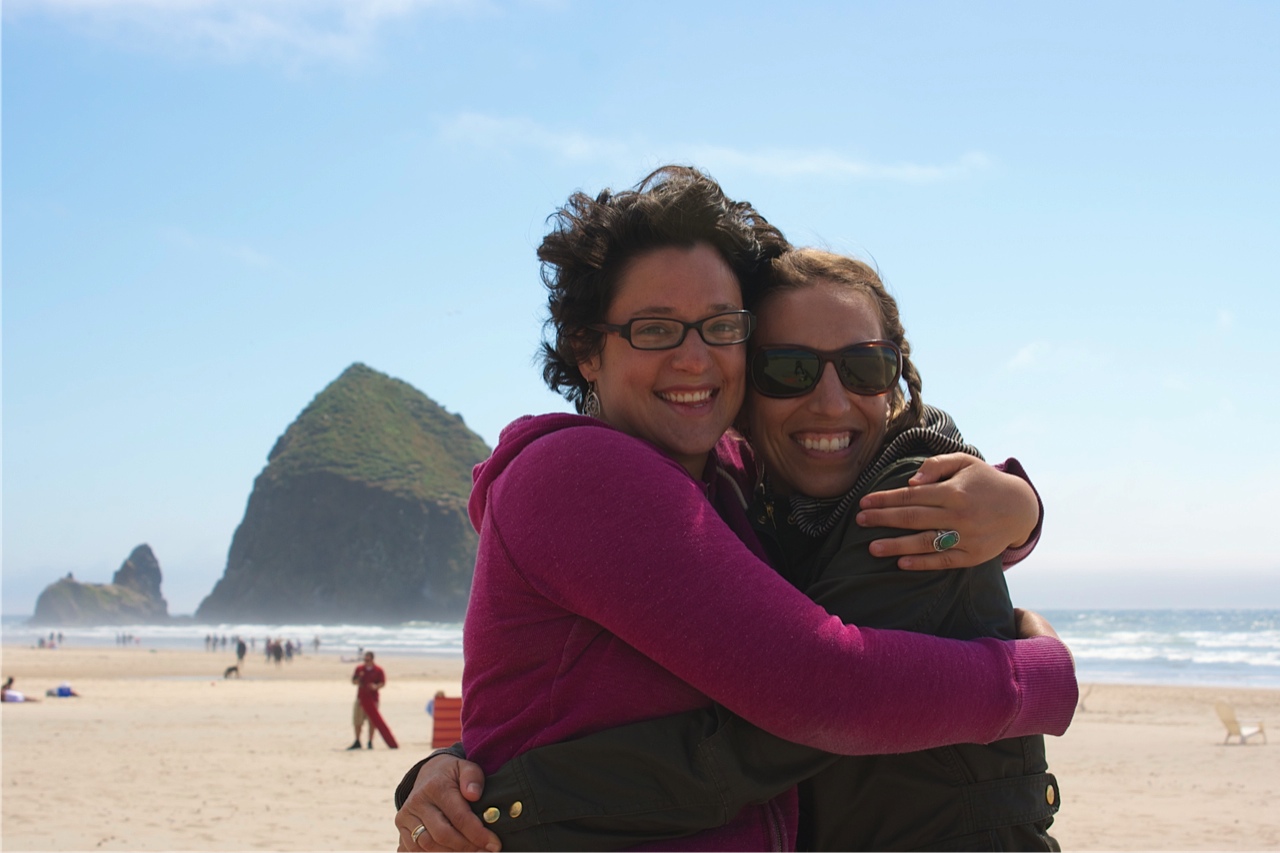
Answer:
(591, 403)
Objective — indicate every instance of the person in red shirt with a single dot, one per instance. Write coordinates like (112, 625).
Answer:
(369, 679)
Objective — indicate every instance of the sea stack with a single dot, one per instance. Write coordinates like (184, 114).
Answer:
(132, 598)
(359, 515)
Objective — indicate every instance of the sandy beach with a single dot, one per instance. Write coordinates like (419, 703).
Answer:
(161, 753)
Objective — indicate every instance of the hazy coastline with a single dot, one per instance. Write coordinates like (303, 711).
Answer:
(1219, 647)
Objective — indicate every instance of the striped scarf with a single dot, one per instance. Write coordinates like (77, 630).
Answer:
(936, 433)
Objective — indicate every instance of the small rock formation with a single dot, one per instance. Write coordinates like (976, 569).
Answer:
(141, 573)
(133, 596)
(359, 515)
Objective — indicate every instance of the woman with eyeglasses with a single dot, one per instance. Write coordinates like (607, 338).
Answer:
(617, 577)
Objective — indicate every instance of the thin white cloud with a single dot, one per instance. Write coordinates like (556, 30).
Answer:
(246, 255)
(1071, 360)
(293, 30)
(509, 135)
(1026, 427)
(790, 163)
(503, 134)
(1030, 356)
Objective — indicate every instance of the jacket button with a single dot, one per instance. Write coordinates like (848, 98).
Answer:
(517, 808)
(491, 815)
(1048, 795)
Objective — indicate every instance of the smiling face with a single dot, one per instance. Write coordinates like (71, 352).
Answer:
(680, 400)
(817, 444)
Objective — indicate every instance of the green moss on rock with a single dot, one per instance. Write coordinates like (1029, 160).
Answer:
(70, 602)
(370, 428)
(359, 515)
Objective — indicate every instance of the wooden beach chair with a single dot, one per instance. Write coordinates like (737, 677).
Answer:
(446, 721)
(1234, 729)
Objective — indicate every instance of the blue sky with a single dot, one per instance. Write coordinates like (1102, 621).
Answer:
(211, 208)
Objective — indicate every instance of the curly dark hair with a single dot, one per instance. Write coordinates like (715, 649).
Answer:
(799, 268)
(592, 241)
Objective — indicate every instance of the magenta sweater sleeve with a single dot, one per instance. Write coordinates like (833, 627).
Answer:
(1013, 556)
(605, 527)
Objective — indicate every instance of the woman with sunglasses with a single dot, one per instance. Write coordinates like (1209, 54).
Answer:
(825, 371)
(609, 589)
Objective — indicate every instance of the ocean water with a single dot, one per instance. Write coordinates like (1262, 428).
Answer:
(436, 638)
(1231, 648)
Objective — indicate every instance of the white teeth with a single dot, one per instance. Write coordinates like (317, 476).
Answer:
(826, 445)
(687, 396)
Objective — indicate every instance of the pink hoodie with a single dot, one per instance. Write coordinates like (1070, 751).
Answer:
(608, 590)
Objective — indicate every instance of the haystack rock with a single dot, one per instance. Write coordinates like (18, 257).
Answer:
(133, 596)
(359, 515)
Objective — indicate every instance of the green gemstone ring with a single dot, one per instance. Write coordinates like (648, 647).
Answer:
(946, 539)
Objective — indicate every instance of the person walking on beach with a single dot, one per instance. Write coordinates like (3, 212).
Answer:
(369, 678)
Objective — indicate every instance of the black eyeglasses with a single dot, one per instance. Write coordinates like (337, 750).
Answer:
(868, 369)
(650, 333)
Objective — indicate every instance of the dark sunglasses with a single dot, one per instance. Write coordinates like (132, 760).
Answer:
(867, 369)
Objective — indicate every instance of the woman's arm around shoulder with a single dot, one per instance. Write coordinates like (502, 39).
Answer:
(995, 509)
(618, 533)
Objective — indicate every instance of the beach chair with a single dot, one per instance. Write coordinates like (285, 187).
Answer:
(446, 725)
(1234, 729)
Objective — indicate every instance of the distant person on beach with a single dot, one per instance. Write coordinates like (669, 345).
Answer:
(241, 650)
(8, 694)
(369, 679)
(431, 703)
(628, 584)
